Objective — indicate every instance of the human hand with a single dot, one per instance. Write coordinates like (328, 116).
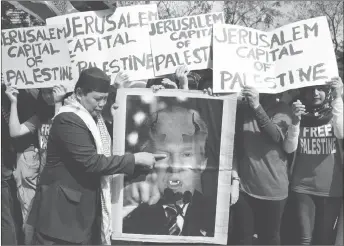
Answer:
(147, 160)
(209, 91)
(156, 88)
(337, 87)
(234, 193)
(59, 91)
(145, 191)
(69, 100)
(181, 74)
(113, 109)
(298, 110)
(167, 83)
(12, 93)
(252, 96)
(121, 79)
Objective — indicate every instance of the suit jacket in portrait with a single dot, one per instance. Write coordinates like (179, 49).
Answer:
(151, 219)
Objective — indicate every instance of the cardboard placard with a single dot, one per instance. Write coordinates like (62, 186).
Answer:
(296, 55)
(35, 57)
(113, 42)
(185, 40)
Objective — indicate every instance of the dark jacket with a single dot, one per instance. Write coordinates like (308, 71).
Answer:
(67, 202)
(151, 220)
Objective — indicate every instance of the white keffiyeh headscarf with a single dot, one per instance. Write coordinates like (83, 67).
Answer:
(103, 144)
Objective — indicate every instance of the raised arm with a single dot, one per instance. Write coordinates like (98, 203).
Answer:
(337, 106)
(292, 139)
(267, 125)
(73, 138)
(16, 129)
(270, 127)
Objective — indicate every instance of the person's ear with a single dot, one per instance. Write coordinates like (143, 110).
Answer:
(78, 93)
(203, 164)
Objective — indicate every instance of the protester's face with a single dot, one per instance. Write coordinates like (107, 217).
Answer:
(315, 96)
(94, 102)
(181, 169)
(48, 96)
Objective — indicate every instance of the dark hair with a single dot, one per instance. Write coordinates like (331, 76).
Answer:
(66, 96)
(44, 110)
(206, 80)
(110, 101)
(193, 80)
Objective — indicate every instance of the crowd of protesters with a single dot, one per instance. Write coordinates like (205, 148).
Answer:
(287, 179)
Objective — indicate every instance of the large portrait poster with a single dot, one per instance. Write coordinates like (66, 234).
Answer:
(185, 198)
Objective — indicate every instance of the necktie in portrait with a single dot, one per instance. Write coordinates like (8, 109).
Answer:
(172, 214)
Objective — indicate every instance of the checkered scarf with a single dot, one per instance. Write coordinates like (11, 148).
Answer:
(105, 183)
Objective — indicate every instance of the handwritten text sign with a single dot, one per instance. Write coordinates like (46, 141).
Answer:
(185, 40)
(110, 41)
(35, 57)
(296, 55)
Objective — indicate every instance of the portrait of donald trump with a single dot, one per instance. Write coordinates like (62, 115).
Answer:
(170, 201)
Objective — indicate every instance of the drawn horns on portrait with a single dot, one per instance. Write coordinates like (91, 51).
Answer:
(153, 133)
(167, 123)
(197, 128)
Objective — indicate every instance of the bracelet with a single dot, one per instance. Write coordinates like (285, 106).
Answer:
(236, 178)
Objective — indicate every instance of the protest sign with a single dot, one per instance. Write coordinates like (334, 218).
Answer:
(196, 132)
(293, 56)
(113, 42)
(35, 57)
(185, 40)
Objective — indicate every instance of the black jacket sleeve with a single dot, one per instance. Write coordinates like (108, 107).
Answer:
(73, 137)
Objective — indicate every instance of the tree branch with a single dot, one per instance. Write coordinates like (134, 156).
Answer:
(167, 9)
(242, 15)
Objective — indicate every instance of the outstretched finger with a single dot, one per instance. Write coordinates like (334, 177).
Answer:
(155, 194)
(159, 157)
(144, 192)
(298, 105)
(135, 195)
